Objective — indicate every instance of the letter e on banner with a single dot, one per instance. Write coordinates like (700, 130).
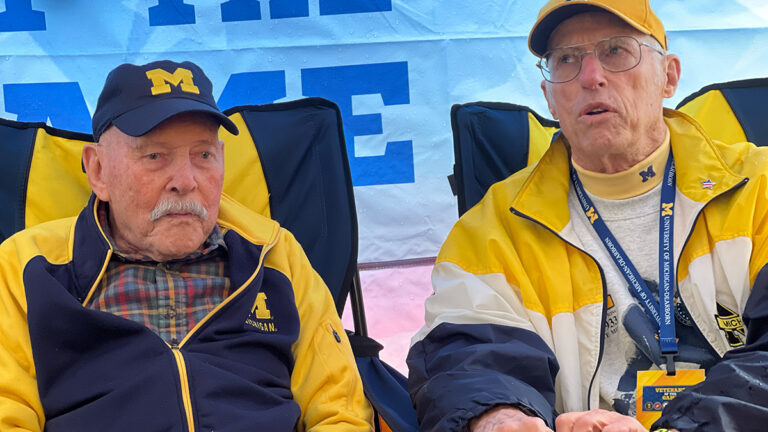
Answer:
(339, 84)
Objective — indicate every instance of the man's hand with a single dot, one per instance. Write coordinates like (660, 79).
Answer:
(507, 419)
(597, 421)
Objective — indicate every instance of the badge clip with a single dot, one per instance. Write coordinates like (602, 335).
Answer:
(670, 364)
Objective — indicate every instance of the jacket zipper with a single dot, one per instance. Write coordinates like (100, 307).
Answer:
(605, 294)
(185, 394)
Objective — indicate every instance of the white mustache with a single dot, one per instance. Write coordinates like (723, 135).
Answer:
(167, 206)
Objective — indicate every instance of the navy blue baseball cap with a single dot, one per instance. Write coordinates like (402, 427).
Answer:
(136, 98)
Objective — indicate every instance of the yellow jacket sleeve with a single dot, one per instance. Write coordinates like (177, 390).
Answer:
(20, 406)
(325, 381)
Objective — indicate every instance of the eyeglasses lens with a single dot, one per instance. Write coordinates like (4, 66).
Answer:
(616, 54)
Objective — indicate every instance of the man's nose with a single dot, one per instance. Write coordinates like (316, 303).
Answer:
(592, 74)
(183, 177)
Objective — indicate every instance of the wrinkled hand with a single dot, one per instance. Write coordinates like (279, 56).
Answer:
(507, 419)
(597, 420)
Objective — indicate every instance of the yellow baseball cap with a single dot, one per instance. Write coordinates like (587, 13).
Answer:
(636, 13)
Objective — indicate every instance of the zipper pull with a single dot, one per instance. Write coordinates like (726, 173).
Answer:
(335, 335)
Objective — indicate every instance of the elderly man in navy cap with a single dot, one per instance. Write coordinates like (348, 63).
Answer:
(622, 279)
(165, 305)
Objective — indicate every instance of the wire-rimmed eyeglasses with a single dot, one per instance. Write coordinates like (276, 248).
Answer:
(615, 54)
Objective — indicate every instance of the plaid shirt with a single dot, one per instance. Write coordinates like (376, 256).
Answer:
(169, 298)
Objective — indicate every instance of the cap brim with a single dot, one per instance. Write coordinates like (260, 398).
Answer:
(143, 119)
(539, 38)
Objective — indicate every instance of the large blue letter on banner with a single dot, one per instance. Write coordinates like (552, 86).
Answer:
(19, 16)
(253, 88)
(240, 10)
(288, 8)
(171, 12)
(337, 7)
(61, 102)
(339, 84)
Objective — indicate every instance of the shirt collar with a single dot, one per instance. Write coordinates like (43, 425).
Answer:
(635, 181)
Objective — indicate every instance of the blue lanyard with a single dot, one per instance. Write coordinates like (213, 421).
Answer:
(664, 315)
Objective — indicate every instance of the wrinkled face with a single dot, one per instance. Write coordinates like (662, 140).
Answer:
(603, 113)
(163, 188)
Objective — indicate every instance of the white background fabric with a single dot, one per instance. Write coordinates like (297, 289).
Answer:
(429, 54)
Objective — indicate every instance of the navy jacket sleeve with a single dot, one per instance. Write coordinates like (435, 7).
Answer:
(459, 371)
(734, 396)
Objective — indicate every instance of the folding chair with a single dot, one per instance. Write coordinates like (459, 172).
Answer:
(733, 111)
(491, 141)
(289, 162)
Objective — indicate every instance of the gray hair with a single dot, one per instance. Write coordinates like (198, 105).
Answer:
(169, 206)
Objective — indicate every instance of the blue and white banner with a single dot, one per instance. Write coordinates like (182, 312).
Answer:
(394, 67)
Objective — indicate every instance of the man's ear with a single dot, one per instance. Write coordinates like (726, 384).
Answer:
(673, 75)
(548, 97)
(94, 168)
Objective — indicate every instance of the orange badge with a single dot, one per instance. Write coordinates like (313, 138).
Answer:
(655, 389)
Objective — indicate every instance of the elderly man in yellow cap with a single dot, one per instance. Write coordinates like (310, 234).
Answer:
(620, 281)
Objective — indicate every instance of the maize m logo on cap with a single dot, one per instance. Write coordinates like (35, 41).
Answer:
(162, 81)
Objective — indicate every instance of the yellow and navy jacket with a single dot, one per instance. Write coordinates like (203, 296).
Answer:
(518, 312)
(271, 357)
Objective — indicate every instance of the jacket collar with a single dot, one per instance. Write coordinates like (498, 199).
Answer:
(90, 250)
(698, 163)
(697, 160)
(243, 229)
